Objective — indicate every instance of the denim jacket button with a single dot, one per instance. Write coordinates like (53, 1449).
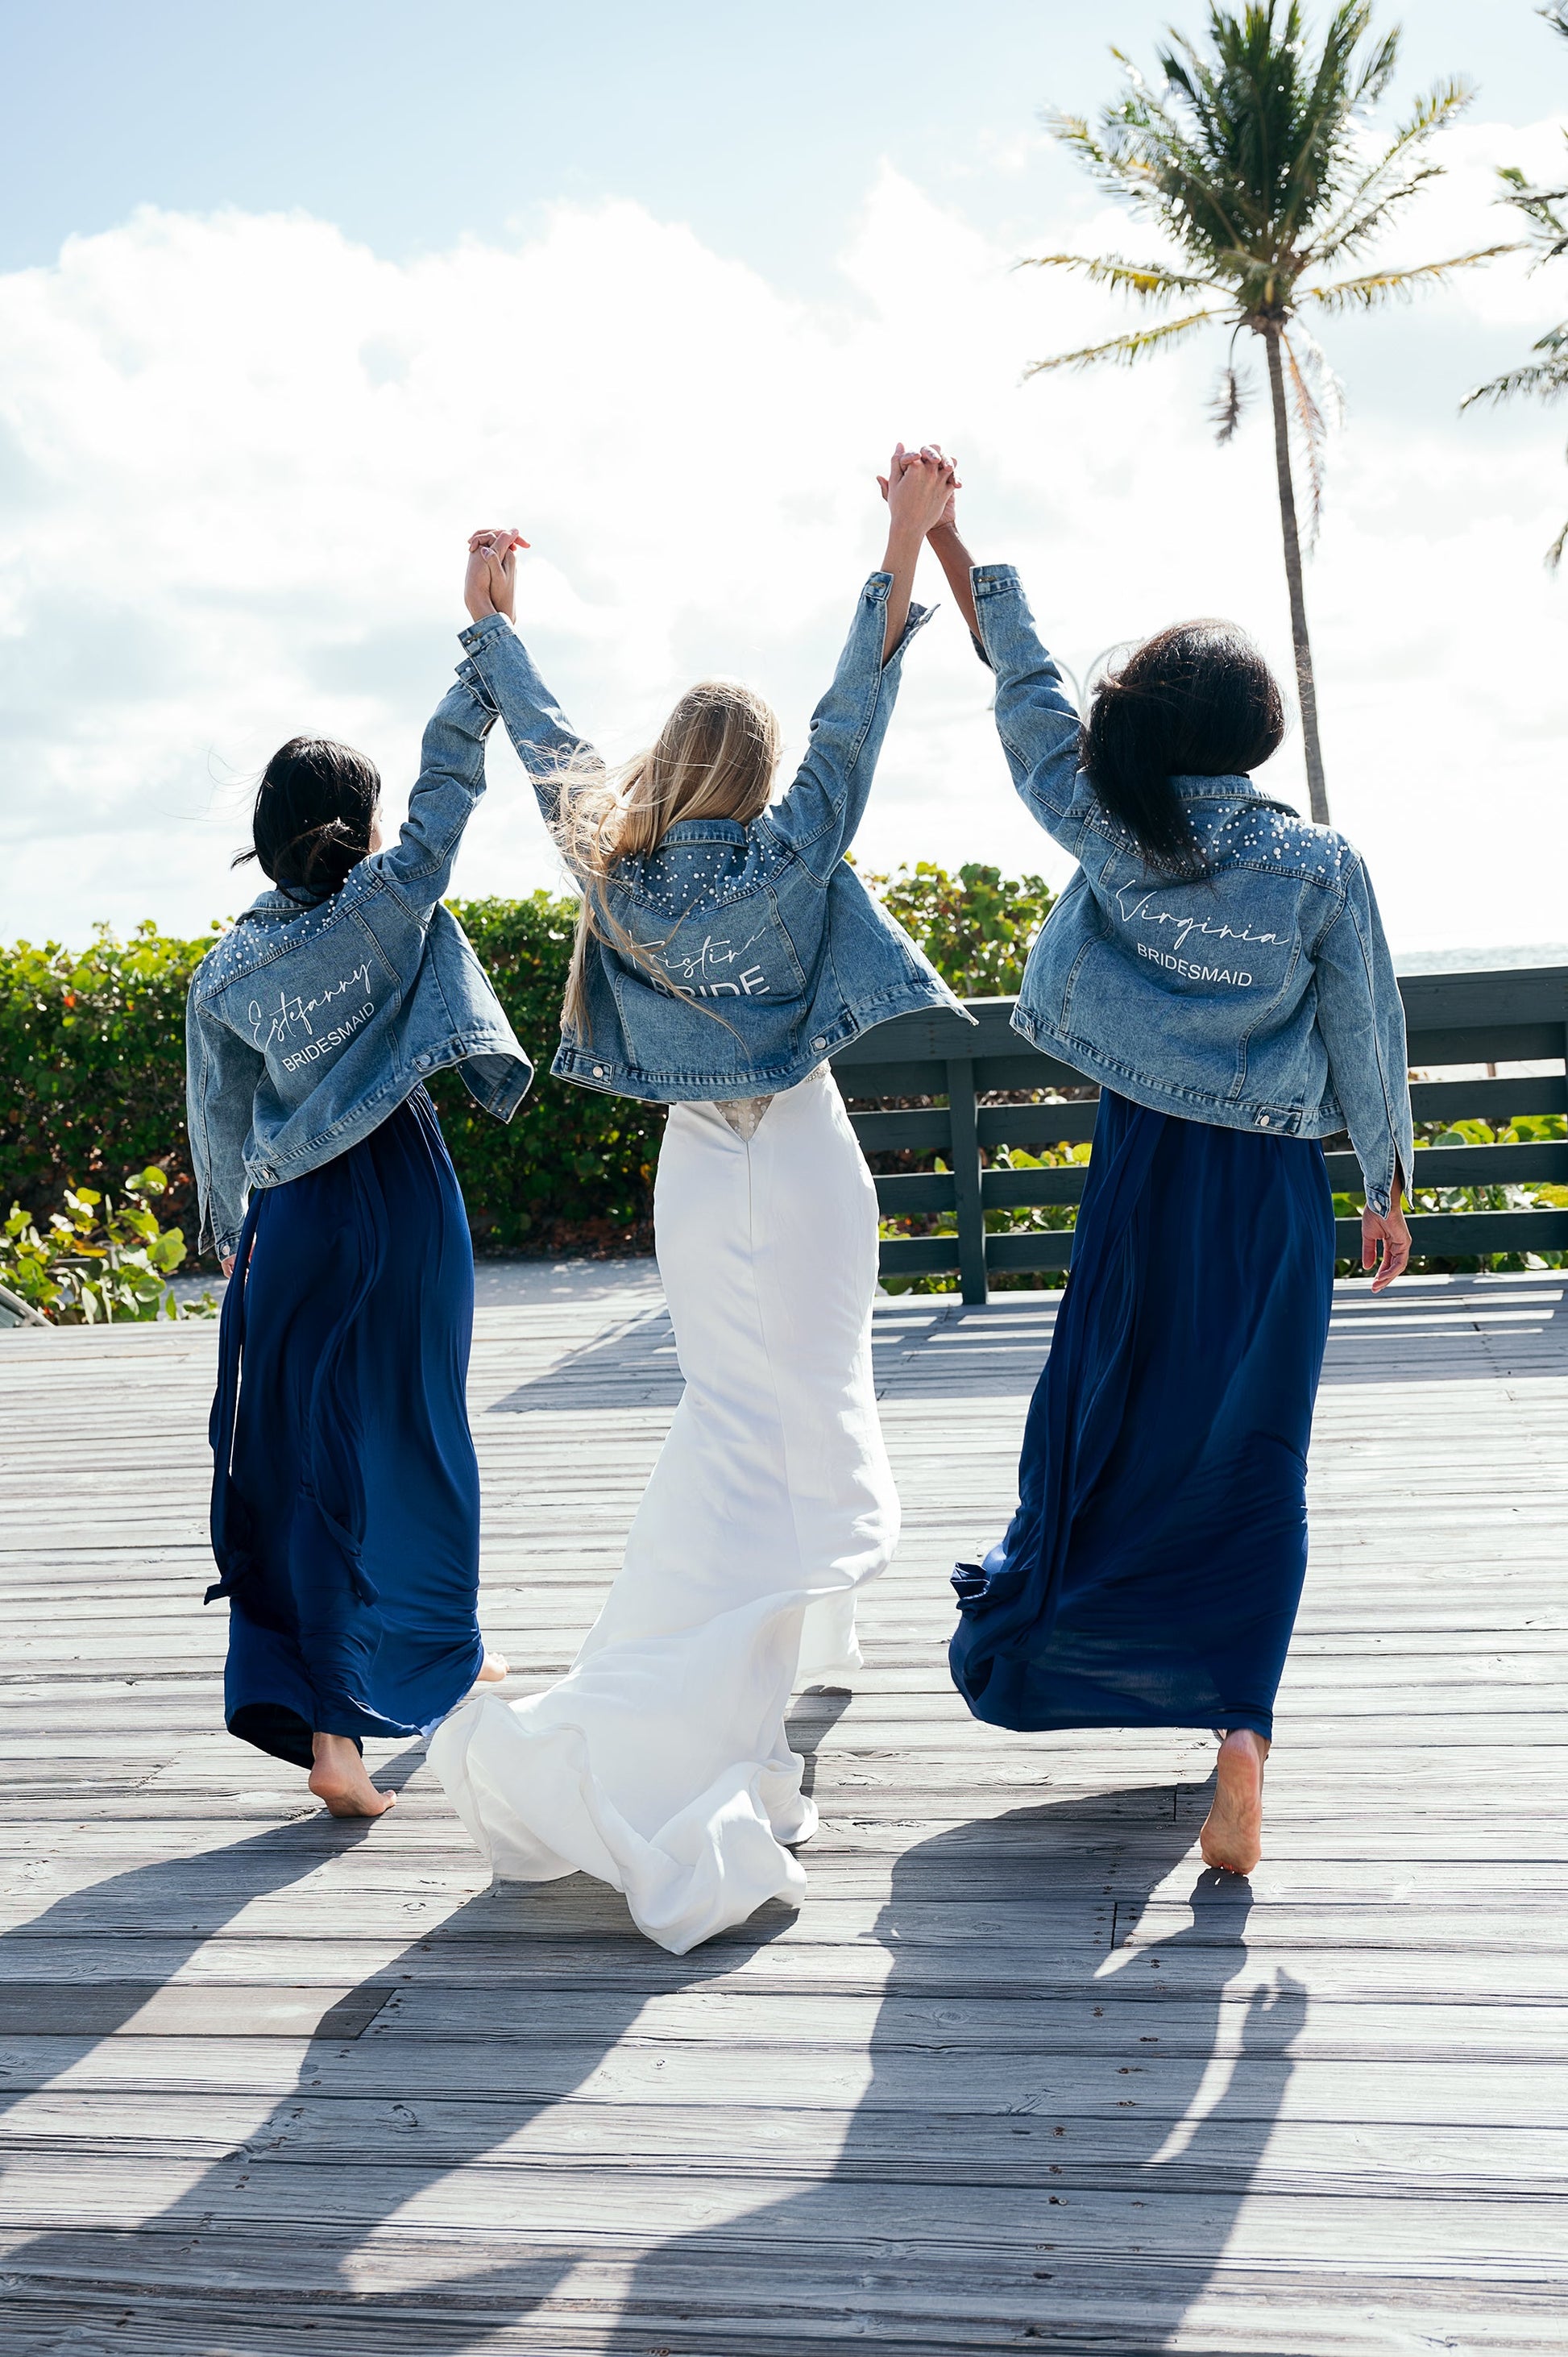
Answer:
(1262, 1121)
(598, 1072)
(818, 1043)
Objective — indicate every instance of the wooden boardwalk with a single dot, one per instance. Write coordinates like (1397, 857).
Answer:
(1019, 2074)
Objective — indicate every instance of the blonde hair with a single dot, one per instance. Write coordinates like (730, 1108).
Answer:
(714, 758)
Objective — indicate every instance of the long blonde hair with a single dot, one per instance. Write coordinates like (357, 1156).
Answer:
(714, 758)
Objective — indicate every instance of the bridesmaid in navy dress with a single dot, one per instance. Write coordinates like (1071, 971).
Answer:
(1219, 967)
(346, 1493)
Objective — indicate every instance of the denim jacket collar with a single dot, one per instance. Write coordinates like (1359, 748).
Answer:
(1226, 789)
(704, 830)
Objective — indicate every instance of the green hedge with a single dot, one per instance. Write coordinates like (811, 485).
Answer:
(572, 1170)
(92, 1050)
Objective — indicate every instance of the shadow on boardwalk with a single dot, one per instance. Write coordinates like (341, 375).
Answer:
(988, 2188)
(931, 1346)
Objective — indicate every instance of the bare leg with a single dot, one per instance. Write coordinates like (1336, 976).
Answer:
(493, 1669)
(339, 1778)
(1232, 1836)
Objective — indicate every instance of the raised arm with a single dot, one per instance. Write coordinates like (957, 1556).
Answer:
(546, 743)
(918, 489)
(826, 800)
(447, 790)
(444, 797)
(1036, 717)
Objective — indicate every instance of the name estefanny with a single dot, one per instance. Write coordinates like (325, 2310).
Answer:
(333, 1039)
(1195, 973)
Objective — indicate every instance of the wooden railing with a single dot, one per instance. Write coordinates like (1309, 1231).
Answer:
(1500, 1017)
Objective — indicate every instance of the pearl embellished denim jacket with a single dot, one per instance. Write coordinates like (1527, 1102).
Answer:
(308, 1024)
(764, 924)
(1261, 996)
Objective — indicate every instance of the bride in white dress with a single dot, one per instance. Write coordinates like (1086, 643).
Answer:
(661, 1762)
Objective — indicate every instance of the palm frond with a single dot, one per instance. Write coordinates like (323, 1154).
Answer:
(1313, 435)
(1152, 281)
(1230, 397)
(1377, 286)
(1327, 386)
(1116, 167)
(1544, 378)
(1145, 156)
(1378, 71)
(1396, 175)
(1127, 349)
(1538, 206)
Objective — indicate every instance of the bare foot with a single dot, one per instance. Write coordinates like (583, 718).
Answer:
(1232, 1836)
(339, 1778)
(492, 1670)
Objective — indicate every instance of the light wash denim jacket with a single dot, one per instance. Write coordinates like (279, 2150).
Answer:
(306, 1026)
(764, 922)
(1261, 997)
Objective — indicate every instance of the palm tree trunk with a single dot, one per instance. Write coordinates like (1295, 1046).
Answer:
(1305, 689)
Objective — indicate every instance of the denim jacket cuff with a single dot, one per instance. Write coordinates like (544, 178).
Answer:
(478, 632)
(992, 580)
(919, 616)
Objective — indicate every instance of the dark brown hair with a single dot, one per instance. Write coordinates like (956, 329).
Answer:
(315, 808)
(1195, 700)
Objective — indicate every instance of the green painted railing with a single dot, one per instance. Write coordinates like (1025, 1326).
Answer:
(1502, 1017)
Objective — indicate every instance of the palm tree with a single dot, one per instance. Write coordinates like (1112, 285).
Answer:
(1547, 232)
(1253, 161)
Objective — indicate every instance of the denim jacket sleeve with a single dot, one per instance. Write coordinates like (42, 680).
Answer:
(1036, 717)
(534, 720)
(444, 797)
(220, 1075)
(826, 802)
(1360, 1017)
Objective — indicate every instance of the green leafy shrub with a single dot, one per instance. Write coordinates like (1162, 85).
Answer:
(975, 926)
(1024, 1220)
(85, 1264)
(1524, 1129)
(574, 1170)
(977, 929)
(92, 1050)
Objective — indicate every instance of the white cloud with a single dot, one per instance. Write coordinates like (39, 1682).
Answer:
(239, 455)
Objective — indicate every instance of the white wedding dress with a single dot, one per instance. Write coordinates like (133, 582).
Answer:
(660, 1762)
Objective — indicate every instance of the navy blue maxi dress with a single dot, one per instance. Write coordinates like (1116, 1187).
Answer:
(346, 1492)
(1151, 1575)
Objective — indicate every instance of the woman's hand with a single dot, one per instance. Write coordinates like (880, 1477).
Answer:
(1388, 1230)
(903, 463)
(227, 1263)
(489, 585)
(915, 487)
(943, 534)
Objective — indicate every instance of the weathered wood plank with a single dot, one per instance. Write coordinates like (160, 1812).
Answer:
(1321, 2116)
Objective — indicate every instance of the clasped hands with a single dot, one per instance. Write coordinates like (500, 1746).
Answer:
(920, 488)
(490, 585)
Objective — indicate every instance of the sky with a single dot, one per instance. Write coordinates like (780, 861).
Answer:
(291, 298)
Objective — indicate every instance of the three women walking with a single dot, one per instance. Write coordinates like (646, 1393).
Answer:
(1215, 965)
